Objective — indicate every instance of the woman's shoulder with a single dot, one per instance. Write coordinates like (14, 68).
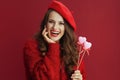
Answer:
(33, 43)
(30, 47)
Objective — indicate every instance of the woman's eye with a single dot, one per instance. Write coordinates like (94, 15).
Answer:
(51, 21)
(61, 23)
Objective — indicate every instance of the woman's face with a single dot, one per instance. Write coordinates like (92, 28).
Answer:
(55, 26)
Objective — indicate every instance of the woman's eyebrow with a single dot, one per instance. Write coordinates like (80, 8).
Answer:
(51, 19)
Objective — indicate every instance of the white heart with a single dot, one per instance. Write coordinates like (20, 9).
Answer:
(82, 39)
(87, 45)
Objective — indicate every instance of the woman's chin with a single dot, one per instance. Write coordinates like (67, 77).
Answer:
(55, 40)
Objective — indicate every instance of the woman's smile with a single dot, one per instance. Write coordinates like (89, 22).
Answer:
(54, 33)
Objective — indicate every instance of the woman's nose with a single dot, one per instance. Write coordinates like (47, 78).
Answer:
(55, 26)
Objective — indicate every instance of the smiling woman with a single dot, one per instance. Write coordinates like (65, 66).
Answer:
(54, 27)
(52, 54)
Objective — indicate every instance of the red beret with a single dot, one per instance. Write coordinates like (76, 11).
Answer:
(64, 11)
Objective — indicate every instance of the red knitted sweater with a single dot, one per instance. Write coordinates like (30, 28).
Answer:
(44, 68)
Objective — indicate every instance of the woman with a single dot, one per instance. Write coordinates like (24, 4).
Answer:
(52, 54)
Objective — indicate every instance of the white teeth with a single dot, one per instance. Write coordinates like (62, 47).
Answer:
(55, 32)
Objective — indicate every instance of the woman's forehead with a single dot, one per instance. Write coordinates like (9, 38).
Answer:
(55, 16)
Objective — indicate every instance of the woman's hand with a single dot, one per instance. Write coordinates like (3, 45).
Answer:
(77, 75)
(45, 35)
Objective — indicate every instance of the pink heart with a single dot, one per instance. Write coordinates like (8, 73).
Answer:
(87, 45)
(82, 39)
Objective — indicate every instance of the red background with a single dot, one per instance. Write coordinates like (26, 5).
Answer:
(98, 20)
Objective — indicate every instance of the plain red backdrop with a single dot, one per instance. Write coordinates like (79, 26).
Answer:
(98, 20)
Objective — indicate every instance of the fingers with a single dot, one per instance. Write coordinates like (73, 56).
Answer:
(77, 71)
(44, 31)
(45, 35)
(77, 75)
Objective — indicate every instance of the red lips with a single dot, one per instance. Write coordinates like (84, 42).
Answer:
(54, 33)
